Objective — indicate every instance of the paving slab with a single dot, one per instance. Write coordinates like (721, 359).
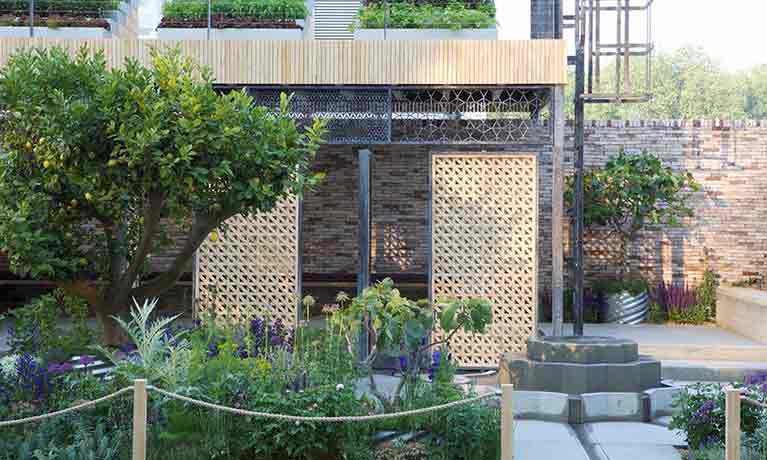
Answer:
(645, 452)
(536, 440)
(632, 433)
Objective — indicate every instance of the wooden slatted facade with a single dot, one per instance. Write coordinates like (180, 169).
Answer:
(528, 62)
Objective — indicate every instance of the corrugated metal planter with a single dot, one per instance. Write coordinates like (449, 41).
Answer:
(626, 308)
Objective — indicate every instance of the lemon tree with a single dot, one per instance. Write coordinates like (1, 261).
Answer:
(100, 167)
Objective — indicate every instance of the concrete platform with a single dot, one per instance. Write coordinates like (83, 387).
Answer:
(546, 440)
(680, 343)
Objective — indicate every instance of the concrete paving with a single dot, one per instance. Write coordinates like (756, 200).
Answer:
(680, 342)
(629, 440)
(536, 440)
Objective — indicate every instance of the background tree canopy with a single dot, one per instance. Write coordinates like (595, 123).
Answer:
(688, 84)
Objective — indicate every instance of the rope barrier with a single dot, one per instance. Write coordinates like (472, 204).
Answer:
(75, 408)
(296, 418)
(753, 402)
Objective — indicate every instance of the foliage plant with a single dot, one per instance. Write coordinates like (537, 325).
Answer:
(700, 414)
(36, 327)
(44, 8)
(631, 192)
(100, 167)
(254, 9)
(706, 293)
(679, 303)
(453, 15)
(402, 328)
(160, 355)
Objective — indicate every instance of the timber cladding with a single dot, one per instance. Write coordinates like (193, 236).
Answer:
(282, 62)
(484, 231)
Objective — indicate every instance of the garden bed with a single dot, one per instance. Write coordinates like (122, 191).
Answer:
(247, 20)
(743, 311)
(425, 34)
(426, 19)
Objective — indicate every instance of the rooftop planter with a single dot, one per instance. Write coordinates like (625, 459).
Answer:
(233, 19)
(63, 18)
(426, 20)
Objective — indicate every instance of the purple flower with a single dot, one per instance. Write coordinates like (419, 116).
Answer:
(212, 349)
(61, 368)
(756, 379)
(127, 347)
(403, 363)
(703, 414)
(86, 360)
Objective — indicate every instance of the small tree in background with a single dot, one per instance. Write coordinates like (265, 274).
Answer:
(100, 166)
(632, 192)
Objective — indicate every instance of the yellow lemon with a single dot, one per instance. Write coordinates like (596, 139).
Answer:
(112, 163)
(28, 145)
(73, 203)
(88, 196)
(214, 236)
(46, 164)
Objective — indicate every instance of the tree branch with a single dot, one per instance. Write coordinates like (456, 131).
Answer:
(201, 227)
(152, 215)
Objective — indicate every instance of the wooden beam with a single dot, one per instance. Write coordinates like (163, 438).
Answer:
(308, 62)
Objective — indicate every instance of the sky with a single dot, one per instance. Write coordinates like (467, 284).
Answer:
(732, 31)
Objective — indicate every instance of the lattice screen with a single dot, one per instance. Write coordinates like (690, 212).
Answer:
(484, 234)
(251, 270)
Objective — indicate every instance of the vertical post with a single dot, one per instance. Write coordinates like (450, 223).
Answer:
(139, 419)
(507, 422)
(732, 425)
(300, 260)
(557, 209)
(363, 276)
(31, 18)
(578, 224)
(210, 18)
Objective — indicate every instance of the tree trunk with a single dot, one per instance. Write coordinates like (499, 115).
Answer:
(112, 333)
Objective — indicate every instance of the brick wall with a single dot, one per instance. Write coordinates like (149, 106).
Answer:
(728, 159)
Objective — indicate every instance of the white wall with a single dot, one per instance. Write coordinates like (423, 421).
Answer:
(513, 19)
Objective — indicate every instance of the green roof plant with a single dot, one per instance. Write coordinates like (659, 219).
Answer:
(452, 15)
(253, 9)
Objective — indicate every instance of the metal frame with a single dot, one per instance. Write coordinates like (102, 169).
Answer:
(420, 115)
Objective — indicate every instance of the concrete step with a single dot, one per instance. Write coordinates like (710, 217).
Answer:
(711, 370)
(681, 352)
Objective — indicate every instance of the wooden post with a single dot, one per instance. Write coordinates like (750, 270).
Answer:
(732, 425)
(139, 419)
(507, 423)
(557, 209)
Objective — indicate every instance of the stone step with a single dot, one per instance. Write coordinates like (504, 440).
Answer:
(711, 371)
(713, 352)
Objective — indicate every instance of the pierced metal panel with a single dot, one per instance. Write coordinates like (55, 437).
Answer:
(251, 269)
(417, 115)
(354, 116)
(484, 229)
(471, 116)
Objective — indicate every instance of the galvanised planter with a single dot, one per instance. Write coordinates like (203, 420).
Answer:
(626, 308)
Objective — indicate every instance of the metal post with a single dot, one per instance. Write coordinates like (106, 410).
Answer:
(363, 276)
(210, 18)
(507, 422)
(579, 139)
(732, 425)
(557, 209)
(139, 419)
(31, 18)
(386, 17)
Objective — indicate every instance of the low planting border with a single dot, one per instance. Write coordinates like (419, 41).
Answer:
(141, 389)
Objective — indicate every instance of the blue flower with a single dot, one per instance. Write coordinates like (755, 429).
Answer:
(403, 363)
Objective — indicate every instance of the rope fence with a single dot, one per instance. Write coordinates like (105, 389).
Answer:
(141, 389)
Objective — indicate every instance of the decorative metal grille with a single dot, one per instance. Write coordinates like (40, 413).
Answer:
(484, 232)
(251, 269)
(471, 116)
(370, 115)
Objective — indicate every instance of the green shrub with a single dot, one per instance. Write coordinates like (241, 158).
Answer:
(657, 314)
(706, 292)
(404, 15)
(258, 9)
(85, 8)
(701, 416)
(633, 286)
(37, 327)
